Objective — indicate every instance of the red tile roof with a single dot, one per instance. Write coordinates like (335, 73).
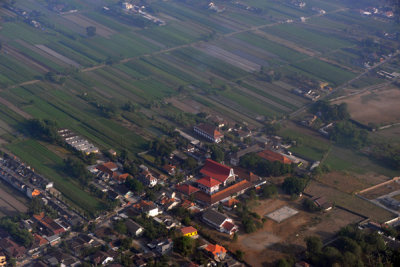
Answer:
(208, 181)
(216, 170)
(188, 230)
(273, 156)
(220, 195)
(40, 241)
(228, 226)
(110, 165)
(186, 189)
(245, 174)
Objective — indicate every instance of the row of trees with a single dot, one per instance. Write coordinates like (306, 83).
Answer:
(77, 169)
(264, 167)
(352, 248)
(349, 135)
(328, 112)
(21, 236)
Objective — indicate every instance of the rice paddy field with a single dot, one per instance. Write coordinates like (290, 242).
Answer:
(213, 57)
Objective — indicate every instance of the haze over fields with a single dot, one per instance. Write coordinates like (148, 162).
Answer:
(109, 107)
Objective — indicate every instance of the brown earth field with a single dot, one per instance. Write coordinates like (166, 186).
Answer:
(349, 201)
(379, 106)
(351, 182)
(381, 190)
(277, 240)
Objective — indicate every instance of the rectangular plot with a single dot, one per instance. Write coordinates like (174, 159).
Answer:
(282, 214)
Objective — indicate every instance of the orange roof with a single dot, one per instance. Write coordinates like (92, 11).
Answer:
(35, 193)
(40, 240)
(216, 170)
(215, 249)
(231, 202)
(208, 181)
(273, 156)
(188, 230)
(121, 177)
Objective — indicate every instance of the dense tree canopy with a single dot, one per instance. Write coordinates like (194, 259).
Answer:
(264, 167)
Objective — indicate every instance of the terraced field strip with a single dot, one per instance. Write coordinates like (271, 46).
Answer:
(57, 55)
(228, 57)
(276, 92)
(239, 117)
(23, 58)
(85, 22)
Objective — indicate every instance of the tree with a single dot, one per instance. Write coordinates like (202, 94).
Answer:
(269, 191)
(184, 245)
(91, 31)
(134, 184)
(314, 244)
(239, 254)
(217, 153)
(294, 185)
(120, 227)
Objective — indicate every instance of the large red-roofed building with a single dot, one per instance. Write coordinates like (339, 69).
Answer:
(208, 184)
(217, 171)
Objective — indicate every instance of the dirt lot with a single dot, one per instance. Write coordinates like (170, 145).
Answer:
(382, 190)
(351, 182)
(276, 240)
(349, 201)
(378, 106)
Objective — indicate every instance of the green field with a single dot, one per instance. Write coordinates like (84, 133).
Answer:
(49, 164)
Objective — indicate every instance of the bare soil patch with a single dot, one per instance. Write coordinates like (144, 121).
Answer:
(378, 106)
(277, 240)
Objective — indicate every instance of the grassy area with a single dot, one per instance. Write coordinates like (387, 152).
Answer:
(310, 145)
(325, 71)
(343, 159)
(50, 165)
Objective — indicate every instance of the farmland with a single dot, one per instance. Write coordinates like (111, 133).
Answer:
(241, 64)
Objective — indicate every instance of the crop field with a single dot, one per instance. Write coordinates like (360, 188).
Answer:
(200, 61)
(311, 145)
(326, 71)
(47, 163)
(378, 107)
(310, 38)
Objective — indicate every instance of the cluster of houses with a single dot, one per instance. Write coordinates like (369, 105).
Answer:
(25, 15)
(140, 10)
(77, 142)
(22, 177)
(385, 12)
